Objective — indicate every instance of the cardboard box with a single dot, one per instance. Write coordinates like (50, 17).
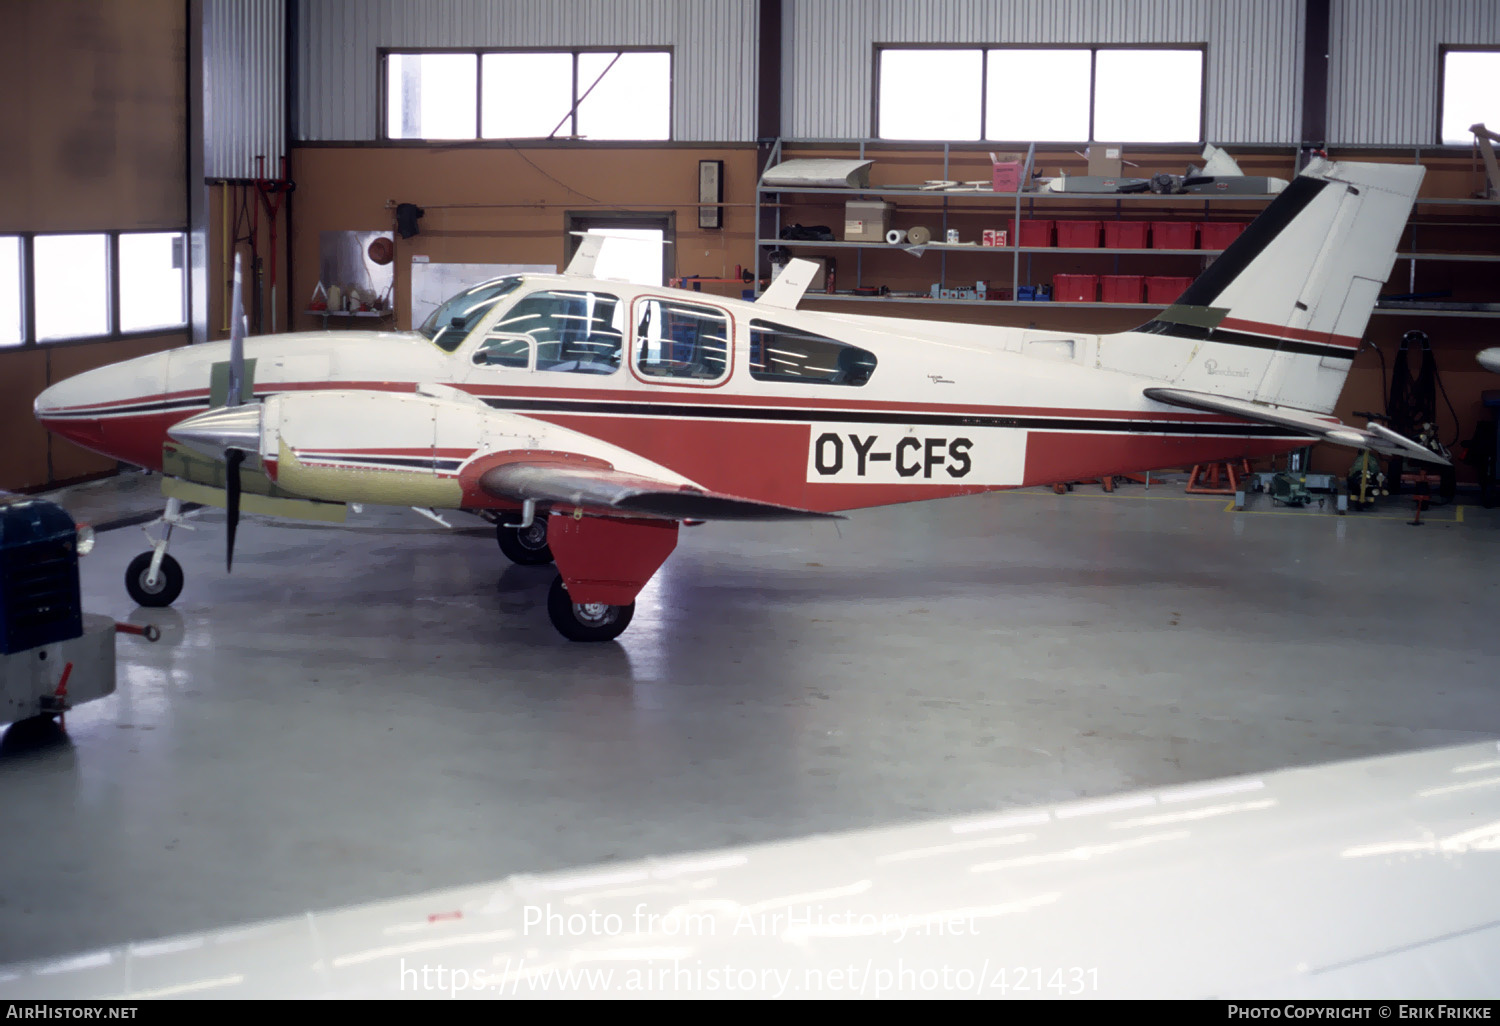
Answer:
(995, 237)
(1106, 160)
(1005, 171)
(866, 221)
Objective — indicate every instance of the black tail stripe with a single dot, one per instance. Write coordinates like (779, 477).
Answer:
(1239, 338)
(1252, 241)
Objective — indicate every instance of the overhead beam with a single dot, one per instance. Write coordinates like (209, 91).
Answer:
(1318, 14)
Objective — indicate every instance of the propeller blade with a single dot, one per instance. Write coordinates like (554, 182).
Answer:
(232, 460)
(235, 394)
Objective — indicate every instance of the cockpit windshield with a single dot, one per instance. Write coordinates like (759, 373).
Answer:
(451, 323)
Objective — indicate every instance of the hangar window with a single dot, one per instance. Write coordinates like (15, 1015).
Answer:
(1469, 96)
(75, 286)
(782, 353)
(681, 340)
(529, 94)
(72, 286)
(578, 332)
(153, 280)
(12, 329)
(1119, 94)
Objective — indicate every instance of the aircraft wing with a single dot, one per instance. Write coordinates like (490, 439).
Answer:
(1376, 437)
(604, 487)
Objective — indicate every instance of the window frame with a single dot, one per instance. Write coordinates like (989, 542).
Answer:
(984, 75)
(112, 236)
(382, 92)
(491, 326)
(633, 354)
(1444, 49)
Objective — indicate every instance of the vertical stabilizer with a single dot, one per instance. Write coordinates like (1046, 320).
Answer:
(1277, 318)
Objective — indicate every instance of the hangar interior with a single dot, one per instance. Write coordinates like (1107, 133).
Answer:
(360, 712)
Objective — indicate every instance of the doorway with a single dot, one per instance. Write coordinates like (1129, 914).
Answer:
(638, 249)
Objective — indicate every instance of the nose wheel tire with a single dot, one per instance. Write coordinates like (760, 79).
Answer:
(168, 581)
(587, 621)
(526, 546)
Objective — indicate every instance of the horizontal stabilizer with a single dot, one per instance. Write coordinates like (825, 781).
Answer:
(601, 488)
(1376, 437)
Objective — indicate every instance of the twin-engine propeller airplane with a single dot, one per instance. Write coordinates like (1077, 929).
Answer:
(588, 418)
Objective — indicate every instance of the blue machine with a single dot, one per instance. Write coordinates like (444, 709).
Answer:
(38, 574)
(53, 656)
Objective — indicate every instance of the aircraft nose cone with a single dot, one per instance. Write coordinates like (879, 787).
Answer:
(214, 431)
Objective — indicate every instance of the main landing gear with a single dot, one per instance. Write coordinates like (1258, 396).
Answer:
(526, 546)
(585, 621)
(155, 578)
(603, 563)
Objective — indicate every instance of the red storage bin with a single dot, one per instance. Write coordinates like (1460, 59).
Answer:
(1163, 290)
(1031, 232)
(1219, 234)
(1078, 234)
(1122, 288)
(1125, 234)
(1075, 288)
(1172, 235)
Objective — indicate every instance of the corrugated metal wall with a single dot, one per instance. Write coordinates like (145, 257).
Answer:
(1383, 71)
(244, 60)
(1253, 66)
(713, 89)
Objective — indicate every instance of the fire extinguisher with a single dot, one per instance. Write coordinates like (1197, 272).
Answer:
(830, 272)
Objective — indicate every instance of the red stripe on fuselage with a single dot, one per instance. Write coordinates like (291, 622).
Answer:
(1280, 331)
(752, 459)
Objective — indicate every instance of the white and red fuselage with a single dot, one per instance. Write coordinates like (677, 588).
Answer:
(948, 409)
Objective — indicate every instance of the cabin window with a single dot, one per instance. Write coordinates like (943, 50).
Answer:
(575, 332)
(681, 340)
(782, 353)
(504, 351)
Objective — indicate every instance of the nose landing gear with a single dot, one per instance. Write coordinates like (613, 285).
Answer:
(154, 578)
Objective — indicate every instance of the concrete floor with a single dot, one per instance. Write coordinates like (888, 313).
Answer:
(371, 711)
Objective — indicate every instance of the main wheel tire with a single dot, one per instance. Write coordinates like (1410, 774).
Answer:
(168, 581)
(593, 621)
(526, 546)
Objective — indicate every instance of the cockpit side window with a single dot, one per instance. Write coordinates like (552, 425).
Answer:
(781, 353)
(451, 323)
(577, 332)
